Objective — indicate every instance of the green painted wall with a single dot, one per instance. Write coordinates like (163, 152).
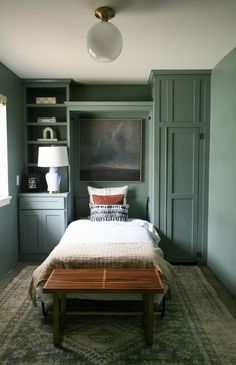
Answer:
(222, 178)
(10, 85)
(81, 92)
(139, 191)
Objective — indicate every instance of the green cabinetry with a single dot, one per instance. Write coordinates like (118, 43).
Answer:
(42, 221)
(46, 122)
(180, 162)
(174, 164)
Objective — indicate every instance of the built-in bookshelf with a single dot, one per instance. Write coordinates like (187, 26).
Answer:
(46, 122)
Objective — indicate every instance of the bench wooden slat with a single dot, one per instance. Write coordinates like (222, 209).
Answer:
(102, 280)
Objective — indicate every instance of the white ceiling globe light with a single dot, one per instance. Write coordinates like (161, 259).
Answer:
(104, 40)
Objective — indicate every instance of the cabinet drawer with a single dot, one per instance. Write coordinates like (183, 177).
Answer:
(42, 203)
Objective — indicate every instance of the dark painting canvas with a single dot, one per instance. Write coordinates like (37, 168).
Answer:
(110, 149)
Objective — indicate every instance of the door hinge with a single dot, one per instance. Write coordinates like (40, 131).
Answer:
(202, 136)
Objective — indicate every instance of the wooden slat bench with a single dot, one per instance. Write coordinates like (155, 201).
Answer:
(64, 281)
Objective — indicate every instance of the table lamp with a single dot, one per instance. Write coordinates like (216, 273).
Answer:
(53, 157)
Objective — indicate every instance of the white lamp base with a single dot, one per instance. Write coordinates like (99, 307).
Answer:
(53, 179)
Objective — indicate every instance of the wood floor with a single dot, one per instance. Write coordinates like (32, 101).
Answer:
(222, 292)
(224, 295)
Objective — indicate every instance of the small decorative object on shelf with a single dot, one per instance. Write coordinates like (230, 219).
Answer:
(33, 182)
(46, 100)
(48, 135)
(46, 119)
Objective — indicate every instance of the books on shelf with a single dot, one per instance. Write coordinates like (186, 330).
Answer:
(47, 139)
(46, 100)
(46, 119)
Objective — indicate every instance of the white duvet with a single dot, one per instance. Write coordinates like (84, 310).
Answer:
(94, 233)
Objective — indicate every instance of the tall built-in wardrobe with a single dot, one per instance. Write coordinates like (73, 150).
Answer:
(179, 196)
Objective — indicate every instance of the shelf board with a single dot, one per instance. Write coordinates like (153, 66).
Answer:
(47, 142)
(57, 124)
(33, 105)
(34, 164)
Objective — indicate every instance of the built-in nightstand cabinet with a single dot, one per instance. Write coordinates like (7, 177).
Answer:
(43, 219)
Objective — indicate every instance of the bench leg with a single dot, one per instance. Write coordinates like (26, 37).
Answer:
(56, 319)
(149, 317)
(63, 310)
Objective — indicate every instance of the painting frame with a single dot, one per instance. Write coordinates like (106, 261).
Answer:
(110, 149)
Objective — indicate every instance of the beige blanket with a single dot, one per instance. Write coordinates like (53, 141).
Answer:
(100, 246)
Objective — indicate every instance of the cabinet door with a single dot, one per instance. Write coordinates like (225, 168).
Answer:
(52, 229)
(30, 231)
(182, 194)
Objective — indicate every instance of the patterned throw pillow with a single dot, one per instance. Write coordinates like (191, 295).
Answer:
(100, 213)
(108, 199)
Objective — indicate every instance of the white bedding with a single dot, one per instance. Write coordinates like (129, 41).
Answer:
(87, 244)
(93, 233)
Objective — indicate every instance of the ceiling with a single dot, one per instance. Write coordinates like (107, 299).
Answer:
(47, 38)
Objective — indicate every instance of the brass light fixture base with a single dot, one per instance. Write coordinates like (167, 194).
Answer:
(104, 13)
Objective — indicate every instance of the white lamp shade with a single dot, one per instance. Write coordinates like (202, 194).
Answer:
(104, 42)
(53, 156)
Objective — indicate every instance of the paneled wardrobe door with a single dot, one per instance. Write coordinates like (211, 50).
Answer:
(182, 194)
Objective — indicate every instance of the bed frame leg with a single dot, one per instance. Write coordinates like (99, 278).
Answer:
(43, 309)
(163, 307)
(167, 296)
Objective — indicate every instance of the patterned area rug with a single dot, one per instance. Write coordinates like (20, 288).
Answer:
(197, 329)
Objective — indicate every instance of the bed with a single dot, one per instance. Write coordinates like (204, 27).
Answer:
(112, 244)
(107, 239)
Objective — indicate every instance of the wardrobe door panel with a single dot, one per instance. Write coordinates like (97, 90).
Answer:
(182, 194)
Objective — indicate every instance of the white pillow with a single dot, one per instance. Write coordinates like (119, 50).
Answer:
(107, 191)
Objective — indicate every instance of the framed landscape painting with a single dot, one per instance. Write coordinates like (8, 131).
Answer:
(110, 149)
